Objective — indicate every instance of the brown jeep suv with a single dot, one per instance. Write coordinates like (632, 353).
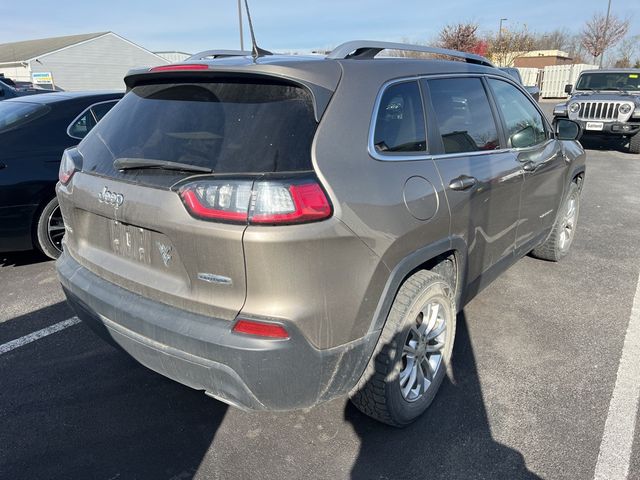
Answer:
(280, 230)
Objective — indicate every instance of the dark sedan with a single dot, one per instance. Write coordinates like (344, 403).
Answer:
(9, 89)
(34, 131)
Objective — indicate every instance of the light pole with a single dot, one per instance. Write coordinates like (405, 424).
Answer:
(240, 24)
(605, 33)
(500, 37)
(500, 27)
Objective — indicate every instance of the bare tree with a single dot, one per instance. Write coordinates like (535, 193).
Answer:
(408, 53)
(558, 39)
(622, 63)
(599, 34)
(505, 47)
(459, 36)
(576, 50)
(627, 52)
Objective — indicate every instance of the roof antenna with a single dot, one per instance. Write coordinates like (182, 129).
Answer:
(256, 50)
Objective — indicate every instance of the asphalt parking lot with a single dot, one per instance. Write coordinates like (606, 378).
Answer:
(532, 379)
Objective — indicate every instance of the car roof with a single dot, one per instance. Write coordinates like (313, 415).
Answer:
(299, 60)
(612, 70)
(323, 71)
(58, 97)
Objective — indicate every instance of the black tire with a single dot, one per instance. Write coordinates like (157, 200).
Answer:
(49, 217)
(634, 143)
(378, 393)
(555, 247)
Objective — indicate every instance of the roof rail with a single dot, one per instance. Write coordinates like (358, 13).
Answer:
(219, 54)
(367, 49)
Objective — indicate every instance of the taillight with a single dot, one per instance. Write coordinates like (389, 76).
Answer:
(260, 329)
(69, 164)
(182, 67)
(270, 202)
(280, 203)
(213, 200)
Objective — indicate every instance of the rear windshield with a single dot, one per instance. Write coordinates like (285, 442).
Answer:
(625, 81)
(16, 114)
(230, 126)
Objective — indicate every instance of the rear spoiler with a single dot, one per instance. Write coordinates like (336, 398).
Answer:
(141, 76)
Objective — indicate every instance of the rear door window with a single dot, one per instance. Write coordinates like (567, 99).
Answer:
(99, 110)
(230, 126)
(400, 126)
(89, 118)
(463, 115)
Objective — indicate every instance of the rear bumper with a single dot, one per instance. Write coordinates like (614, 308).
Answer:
(203, 353)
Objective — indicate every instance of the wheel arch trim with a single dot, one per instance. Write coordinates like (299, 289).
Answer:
(578, 172)
(410, 263)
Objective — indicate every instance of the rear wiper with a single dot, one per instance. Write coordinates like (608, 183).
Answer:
(142, 163)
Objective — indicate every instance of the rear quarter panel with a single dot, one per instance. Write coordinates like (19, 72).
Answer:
(367, 194)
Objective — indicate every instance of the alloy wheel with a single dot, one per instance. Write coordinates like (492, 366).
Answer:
(569, 223)
(422, 351)
(55, 228)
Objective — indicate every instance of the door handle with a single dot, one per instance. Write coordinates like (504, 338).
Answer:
(463, 182)
(3, 166)
(529, 166)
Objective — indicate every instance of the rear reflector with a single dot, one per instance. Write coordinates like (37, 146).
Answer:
(264, 202)
(186, 66)
(260, 329)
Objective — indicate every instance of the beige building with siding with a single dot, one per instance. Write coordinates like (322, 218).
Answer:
(93, 61)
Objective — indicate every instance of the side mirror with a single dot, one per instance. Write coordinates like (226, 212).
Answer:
(523, 138)
(566, 129)
(567, 88)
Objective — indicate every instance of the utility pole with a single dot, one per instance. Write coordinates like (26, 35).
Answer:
(605, 33)
(500, 38)
(240, 24)
(500, 27)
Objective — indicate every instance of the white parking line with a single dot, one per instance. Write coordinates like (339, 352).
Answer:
(617, 441)
(32, 337)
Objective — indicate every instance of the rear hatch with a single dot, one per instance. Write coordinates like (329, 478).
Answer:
(168, 143)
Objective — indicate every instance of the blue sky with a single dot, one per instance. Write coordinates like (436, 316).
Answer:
(194, 25)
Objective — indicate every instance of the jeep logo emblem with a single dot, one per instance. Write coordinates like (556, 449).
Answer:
(110, 198)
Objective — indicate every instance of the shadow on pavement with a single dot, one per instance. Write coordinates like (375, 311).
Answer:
(20, 259)
(606, 145)
(72, 407)
(452, 440)
(30, 322)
